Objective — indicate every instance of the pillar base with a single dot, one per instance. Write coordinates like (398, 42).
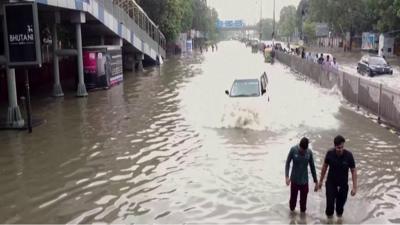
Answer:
(81, 91)
(57, 90)
(14, 118)
(140, 66)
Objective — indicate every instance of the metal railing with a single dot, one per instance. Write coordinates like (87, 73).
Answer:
(376, 98)
(133, 17)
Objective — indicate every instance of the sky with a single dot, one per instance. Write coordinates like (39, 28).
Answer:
(249, 10)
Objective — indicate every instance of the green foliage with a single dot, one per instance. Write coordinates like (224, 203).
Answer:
(388, 13)
(172, 18)
(178, 16)
(287, 21)
(211, 29)
(356, 16)
(302, 12)
(267, 28)
(309, 30)
(188, 13)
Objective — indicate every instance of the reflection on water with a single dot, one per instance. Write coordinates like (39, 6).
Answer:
(169, 146)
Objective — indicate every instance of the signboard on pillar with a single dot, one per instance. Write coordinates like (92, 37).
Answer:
(1, 38)
(321, 30)
(22, 35)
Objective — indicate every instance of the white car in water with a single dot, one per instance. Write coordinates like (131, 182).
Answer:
(249, 87)
(248, 99)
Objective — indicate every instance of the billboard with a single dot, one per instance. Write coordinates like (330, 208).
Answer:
(102, 66)
(230, 24)
(370, 41)
(22, 34)
(321, 30)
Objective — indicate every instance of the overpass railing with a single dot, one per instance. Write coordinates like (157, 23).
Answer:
(124, 17)
(133, 16)
(376, 98)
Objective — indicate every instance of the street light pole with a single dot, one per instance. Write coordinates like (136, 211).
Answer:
(273, 27)
(261, 20)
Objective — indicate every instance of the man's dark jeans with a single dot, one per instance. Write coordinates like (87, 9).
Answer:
(294, 189)
(335, 195)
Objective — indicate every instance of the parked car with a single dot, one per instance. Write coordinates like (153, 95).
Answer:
(373, 65)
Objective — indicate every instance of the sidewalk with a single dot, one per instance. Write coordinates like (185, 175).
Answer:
(348, 63)
(350, 57)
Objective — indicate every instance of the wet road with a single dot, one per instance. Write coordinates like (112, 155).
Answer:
(169, 146)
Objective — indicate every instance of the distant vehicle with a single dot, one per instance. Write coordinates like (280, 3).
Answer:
(278, 46)
(373, 65)
(254, 87)
(269, 55)
(254, 46)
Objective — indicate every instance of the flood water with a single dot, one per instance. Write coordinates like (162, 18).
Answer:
(168, 146)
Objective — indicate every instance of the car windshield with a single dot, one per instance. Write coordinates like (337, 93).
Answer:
(377, 61)
(245, 88)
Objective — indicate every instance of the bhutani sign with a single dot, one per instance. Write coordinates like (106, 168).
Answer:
(21, 39)
(22, 34)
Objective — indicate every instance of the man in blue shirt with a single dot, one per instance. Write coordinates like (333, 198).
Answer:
(301, 156)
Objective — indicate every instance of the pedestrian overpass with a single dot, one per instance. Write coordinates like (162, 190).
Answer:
(89, 23)
(243, 28)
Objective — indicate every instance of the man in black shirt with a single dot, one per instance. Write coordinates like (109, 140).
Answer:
(339, 161)
(321, 59)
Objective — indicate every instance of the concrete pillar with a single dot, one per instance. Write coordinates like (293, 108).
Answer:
(133, 63)
(102, 40)
(57, 89)
(81, 92)
(14, 118)
(139, 60)
(118, 42)
(129, 61)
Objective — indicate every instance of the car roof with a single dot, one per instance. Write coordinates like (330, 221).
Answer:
(376, 56)
(373, 56)
(246, 79)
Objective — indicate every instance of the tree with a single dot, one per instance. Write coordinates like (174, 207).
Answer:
(211, 25)
(178, 16)
(287, 21)
(343, 16)
(200, 15)
(188, 14)
(167, 14)
(309, 31)
(267, 28)
(302, 15)
(388, 12)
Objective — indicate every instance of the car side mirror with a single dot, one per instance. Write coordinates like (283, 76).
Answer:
(226, 92)
(263, 91)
